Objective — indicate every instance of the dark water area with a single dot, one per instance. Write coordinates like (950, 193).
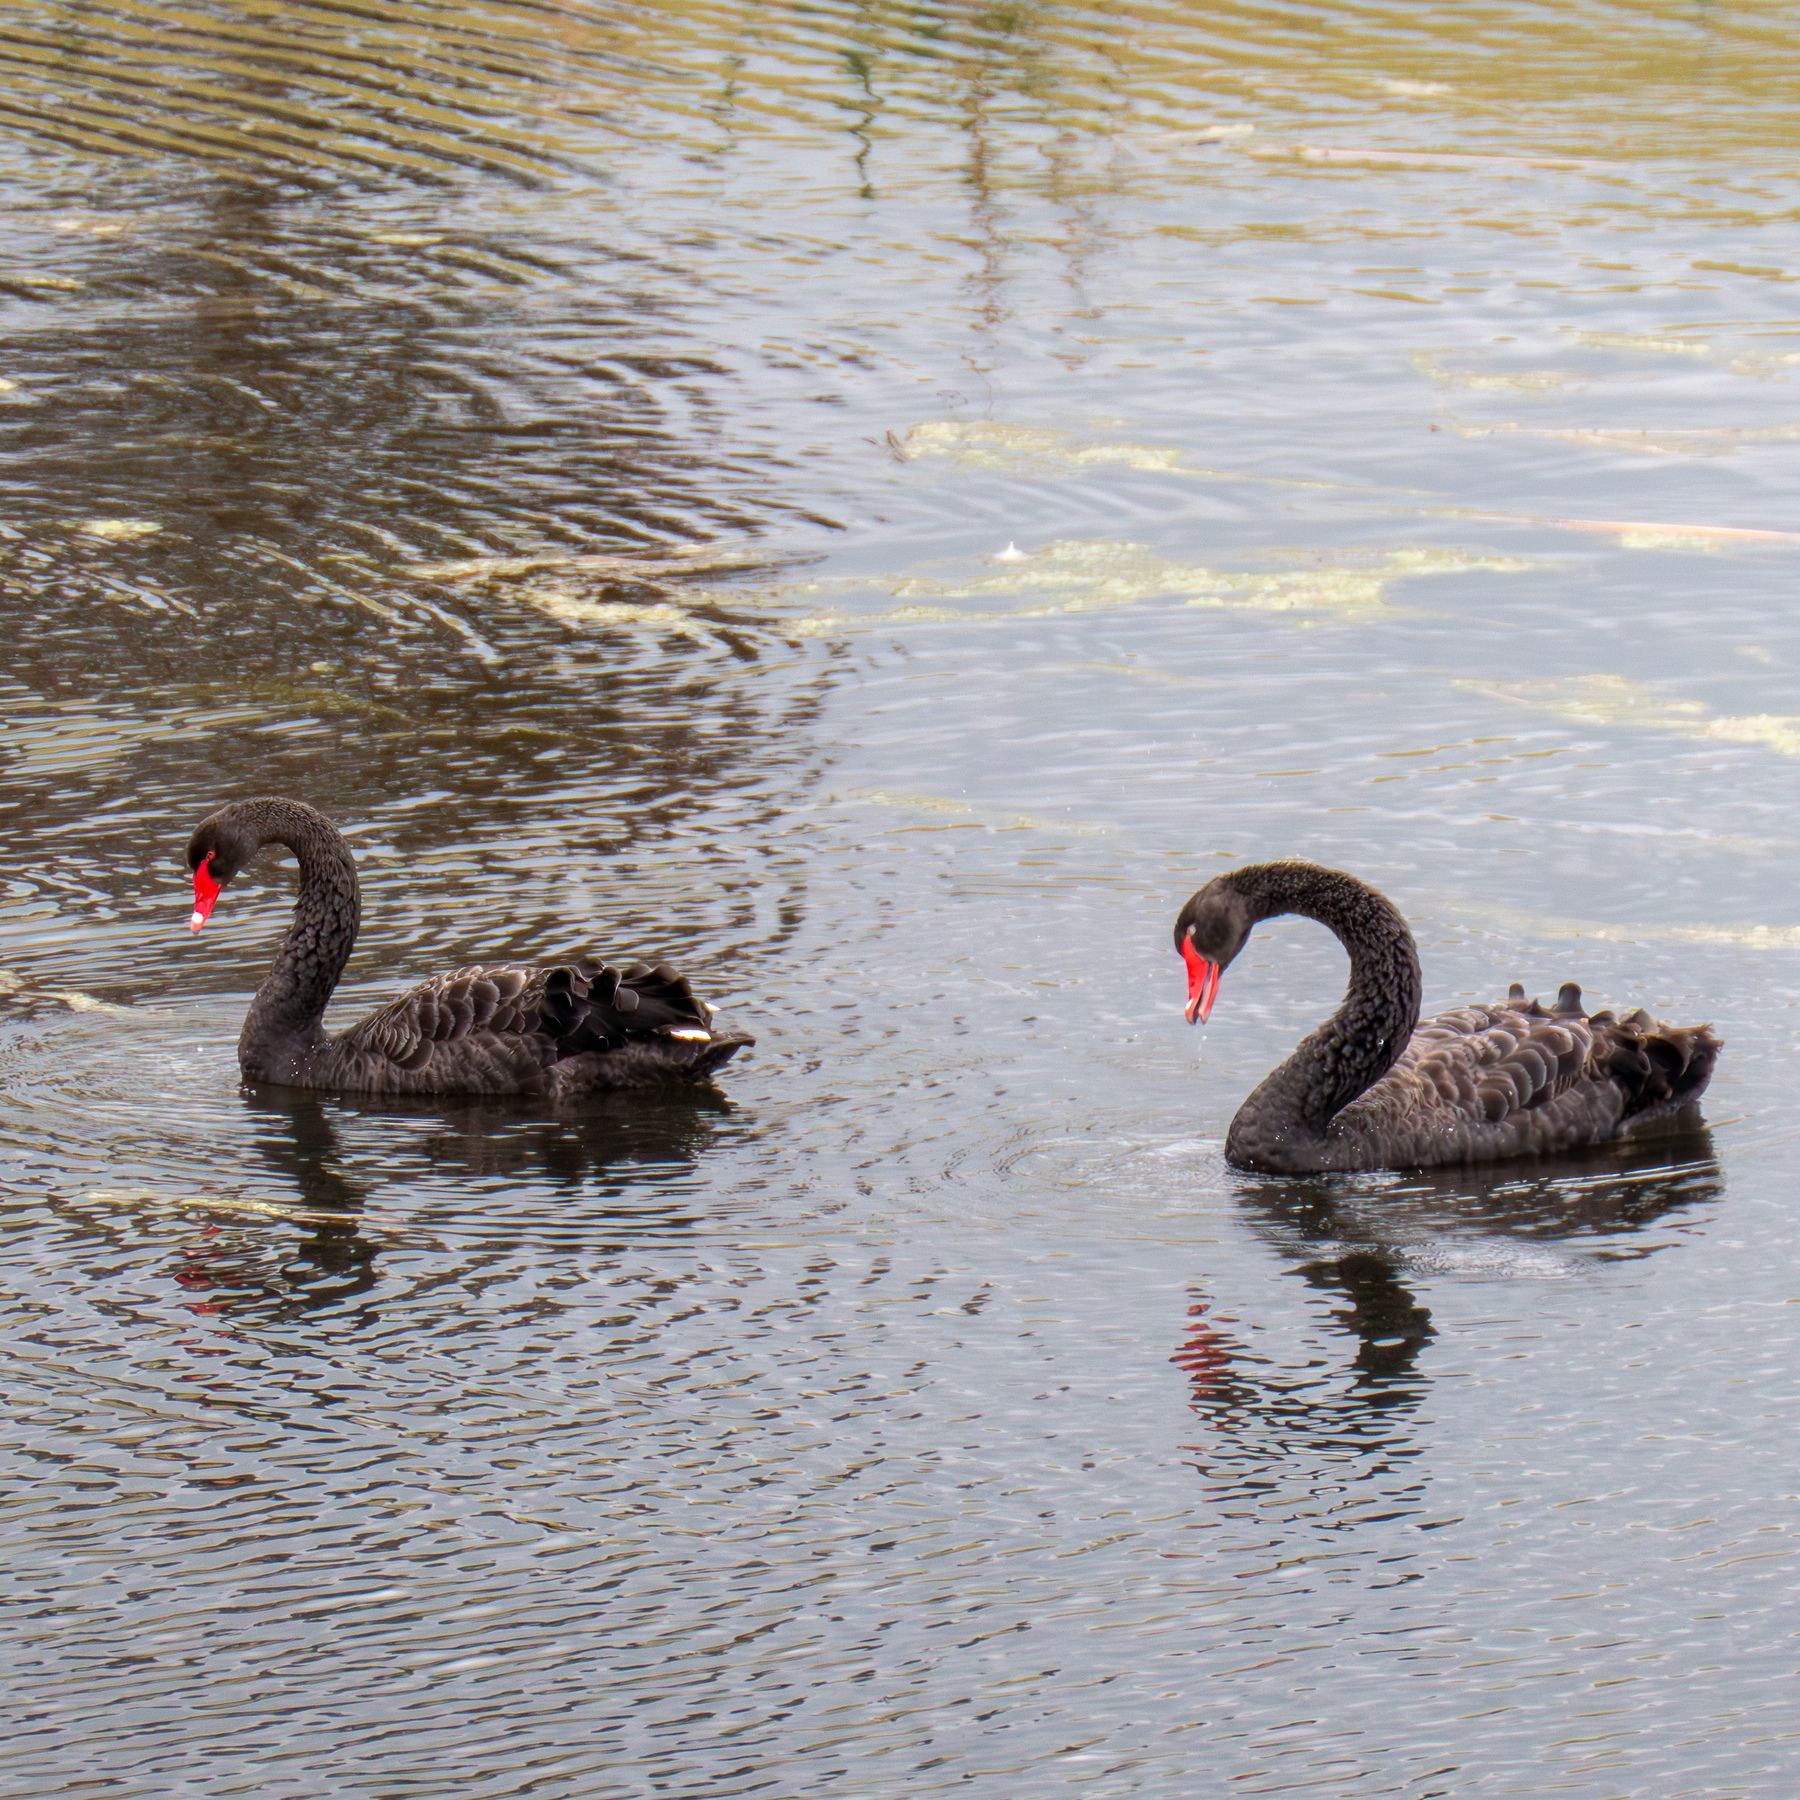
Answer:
(876, 504)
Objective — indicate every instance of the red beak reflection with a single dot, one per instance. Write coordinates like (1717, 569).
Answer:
(1203, 982)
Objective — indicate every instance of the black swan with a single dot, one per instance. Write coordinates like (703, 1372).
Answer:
(579, 1027)
(1372, 1088)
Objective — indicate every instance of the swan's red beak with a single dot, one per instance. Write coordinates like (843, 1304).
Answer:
(1203, 982)
(206, 893)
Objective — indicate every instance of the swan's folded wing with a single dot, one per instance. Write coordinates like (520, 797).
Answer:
(1511, 1078)
(1489, 1062)
(1483, 1062)
(502, 1030)
(503, 1003)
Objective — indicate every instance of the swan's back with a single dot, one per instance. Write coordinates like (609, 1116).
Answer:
(508, 1030)
(1514, 1079)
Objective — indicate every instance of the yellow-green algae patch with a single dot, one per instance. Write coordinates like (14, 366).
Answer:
(1036, 449)
(1538, 925)
(1614, 700)
(1092, 575)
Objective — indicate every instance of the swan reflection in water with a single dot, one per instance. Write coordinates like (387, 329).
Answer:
(1363, 1239)
(604, 1162)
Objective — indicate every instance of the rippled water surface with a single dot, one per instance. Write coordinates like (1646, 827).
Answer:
(876, 503)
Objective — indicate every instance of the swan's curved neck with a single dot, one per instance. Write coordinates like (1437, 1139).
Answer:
(1358, 1044)
(283, 1023)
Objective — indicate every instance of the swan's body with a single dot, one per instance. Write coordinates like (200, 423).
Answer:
(574, 1028)
(1373, 1088)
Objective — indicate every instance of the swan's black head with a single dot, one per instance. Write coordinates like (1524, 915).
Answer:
(1209, 931)
(221, 845)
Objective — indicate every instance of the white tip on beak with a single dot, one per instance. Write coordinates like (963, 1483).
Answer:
(196, 921)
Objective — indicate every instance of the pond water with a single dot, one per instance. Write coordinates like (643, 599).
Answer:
(877, 503)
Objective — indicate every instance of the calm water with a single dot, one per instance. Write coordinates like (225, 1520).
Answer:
(877, 503)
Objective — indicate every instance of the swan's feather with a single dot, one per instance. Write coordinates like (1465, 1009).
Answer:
(575, 1025)
(1511, 1078)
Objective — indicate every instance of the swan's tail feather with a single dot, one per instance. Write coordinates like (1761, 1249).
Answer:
(590, 1006)
(1659, 1066)
(716, 1054)
(655, 998)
